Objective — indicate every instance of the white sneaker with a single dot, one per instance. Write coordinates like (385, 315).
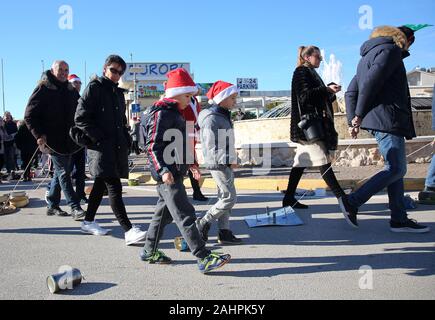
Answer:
(93, 228)
(134, 235)
(46, 196)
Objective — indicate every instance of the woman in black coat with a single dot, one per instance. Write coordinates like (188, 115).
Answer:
(310, 96)
(101, 116)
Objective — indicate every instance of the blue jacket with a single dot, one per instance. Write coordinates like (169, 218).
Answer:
(379, 92)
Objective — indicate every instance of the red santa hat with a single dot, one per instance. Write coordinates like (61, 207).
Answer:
(179, 82)
(220, 91)
(73, 78)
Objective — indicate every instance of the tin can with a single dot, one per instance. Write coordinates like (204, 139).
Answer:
(181, 244)
(64, 280)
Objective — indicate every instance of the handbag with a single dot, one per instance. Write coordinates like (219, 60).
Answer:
(311, 125)
(79, 137)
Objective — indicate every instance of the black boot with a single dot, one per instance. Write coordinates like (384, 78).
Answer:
(289, 201)
(199, 197)
(227, 237)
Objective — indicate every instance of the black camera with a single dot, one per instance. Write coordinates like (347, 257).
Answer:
(312, 126)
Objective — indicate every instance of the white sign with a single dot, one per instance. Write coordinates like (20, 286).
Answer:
(153, 71)
(247, 83)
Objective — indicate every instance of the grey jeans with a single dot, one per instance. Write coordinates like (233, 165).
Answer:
(227, 198)
(174, 205)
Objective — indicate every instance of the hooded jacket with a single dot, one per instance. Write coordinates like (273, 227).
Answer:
(217, 138)
(379, 92)
(50, 112)
(166, 140)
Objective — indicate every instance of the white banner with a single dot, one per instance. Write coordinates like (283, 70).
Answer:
(153, 71)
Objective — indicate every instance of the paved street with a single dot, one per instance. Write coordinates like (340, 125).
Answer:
(319, 260)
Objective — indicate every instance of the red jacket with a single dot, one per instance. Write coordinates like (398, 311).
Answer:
(191, 115)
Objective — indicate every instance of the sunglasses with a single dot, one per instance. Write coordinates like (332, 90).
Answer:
(116, 71)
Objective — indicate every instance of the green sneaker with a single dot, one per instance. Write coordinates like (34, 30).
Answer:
(212, 262)
(157, 257)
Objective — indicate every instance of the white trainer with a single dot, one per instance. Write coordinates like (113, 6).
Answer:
(134, 235)
(93, 228)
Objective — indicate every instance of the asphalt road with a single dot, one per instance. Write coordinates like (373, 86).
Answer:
(320, 260)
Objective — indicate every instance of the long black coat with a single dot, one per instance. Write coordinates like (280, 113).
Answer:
(50, 112)
(101, 115)
(25, 141)
(379, 92)
(309, 90)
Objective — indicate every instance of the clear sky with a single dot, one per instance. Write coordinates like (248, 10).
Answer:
(222, 39)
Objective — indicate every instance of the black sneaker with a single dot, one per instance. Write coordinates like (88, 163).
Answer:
(409, 226)
(350, 213)
(199, 197)
(78, 214)
(427, 196)
(227, 237)
(57, 212)
(203, 229)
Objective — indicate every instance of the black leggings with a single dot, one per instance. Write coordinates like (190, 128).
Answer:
(114, 188)
(327, 173)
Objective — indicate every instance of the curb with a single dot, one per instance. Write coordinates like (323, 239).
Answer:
(280, 184)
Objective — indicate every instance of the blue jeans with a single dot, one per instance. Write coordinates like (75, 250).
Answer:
(393, 150)
(430, 179)
(78, 169)
(62, 181)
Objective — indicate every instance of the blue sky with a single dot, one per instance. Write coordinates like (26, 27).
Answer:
(222, 40)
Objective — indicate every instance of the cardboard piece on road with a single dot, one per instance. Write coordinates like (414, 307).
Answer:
(282, 217)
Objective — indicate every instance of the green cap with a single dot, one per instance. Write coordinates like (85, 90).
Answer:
(417, 27)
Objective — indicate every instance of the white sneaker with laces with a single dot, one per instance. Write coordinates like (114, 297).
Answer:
(93, 228)
(134, 235)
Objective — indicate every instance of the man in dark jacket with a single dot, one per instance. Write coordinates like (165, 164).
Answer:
(50, 116)
(378, 100)
(79, 158)
(26, 143)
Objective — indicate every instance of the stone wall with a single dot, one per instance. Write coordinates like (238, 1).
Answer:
(279, 151)
(278, 130)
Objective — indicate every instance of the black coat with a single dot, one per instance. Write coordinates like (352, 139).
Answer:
(25, 141)
(50, 112)
(309, 90)
(101, 115)
(379, 92)
(160, 117)
(11, 128)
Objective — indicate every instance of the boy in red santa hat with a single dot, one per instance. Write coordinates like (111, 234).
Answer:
(168, 165)
(217, 141)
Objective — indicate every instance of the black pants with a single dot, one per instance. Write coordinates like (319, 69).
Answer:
(25, 159)
(174, 205)
(327, 173)
(195, 184)
(114, 188)
(135, 147)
